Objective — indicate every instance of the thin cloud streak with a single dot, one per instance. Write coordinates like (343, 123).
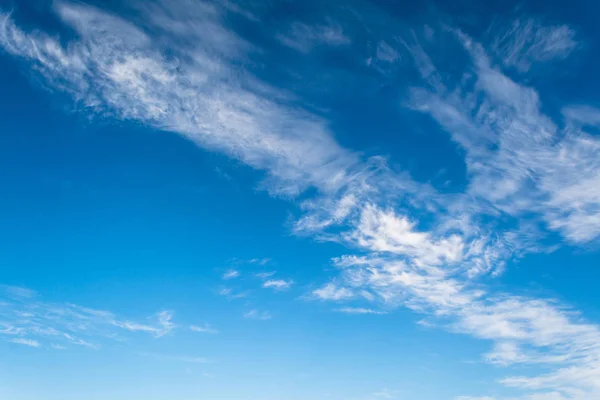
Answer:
(26, 342)
(62, 325)
(204, 329)
(359, 310)
(231, 274)
(257, 315)
(278, 284)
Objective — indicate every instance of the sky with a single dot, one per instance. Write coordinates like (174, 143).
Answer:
(299, 200)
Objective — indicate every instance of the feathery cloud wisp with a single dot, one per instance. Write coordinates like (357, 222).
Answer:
(204, 329)
(258, 315)
(231, 274)
(26, 342)
(304, 38)
(278, 284)
(30, 318)
(359, 310)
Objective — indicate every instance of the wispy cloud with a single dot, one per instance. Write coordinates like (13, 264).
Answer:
(30, 318)
(359, 310)
(278, 284)
(26, 342)
(525, 331)
(333, 292)
(163, 325)
(260, 261)
(528, 41)
(265, 275)
(385, 52)
(518, 158)
(582, 114)
(518, 163)
(231, 274)
(258, 315)
(204, 329)
(304, 38)
(192, 93)
(230, 294)
(17, 291)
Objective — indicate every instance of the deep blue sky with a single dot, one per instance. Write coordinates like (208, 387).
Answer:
(299, 200)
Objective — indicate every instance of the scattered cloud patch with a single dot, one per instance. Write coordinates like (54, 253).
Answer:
(231, 274)
(230, 294)
(278, 284)
(260, 261)
(265, 275)
(333, 292)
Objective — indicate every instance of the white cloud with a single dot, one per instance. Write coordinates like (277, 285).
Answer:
(260, 261)
(278, 284)
(359, 310)
(523, 330)
(115, 68)
(384, 231)
(258, 315)
(518, 158)
(231, 274)
(17, 291)
(26, 342)
(265, 275)
(385, 52)
(163, 326)
(304, 38)
(69, 324)
(333, 292)
(231, 294)
(582, 114)
(204, 329)
(528, 41)
(517, 163)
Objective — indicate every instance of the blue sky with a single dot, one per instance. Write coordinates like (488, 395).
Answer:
(299, 200)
